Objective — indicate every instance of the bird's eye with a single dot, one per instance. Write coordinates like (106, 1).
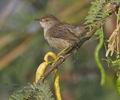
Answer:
(46, 20)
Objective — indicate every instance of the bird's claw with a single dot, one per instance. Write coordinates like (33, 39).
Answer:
(62, 57)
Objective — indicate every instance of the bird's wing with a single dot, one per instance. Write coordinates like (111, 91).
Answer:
(78, 30)
(64, 31)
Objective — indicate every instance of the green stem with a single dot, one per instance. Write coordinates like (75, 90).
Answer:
(97, 59)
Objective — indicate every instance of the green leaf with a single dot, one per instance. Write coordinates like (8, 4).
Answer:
(33, 92)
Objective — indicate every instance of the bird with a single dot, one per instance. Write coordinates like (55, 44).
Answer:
(58, 34)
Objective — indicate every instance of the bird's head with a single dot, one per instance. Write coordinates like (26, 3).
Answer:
(48, 21)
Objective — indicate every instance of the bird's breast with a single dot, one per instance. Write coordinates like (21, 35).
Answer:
(56, 42)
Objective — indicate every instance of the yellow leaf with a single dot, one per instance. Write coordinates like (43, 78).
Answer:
(50, 54)
(40, 71)
(57, 86)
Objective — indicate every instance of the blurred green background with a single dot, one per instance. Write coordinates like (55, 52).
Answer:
(22, 48)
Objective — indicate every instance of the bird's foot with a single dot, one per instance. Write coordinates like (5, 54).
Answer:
(62, 52)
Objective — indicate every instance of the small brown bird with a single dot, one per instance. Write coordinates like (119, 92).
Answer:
(60, 35)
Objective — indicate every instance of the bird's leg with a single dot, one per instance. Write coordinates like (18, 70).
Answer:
(62, 52)
(75, 44)
(60, 55)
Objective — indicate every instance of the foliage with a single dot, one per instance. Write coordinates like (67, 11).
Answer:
(96, 13)
(33, 92)
(115, 62)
